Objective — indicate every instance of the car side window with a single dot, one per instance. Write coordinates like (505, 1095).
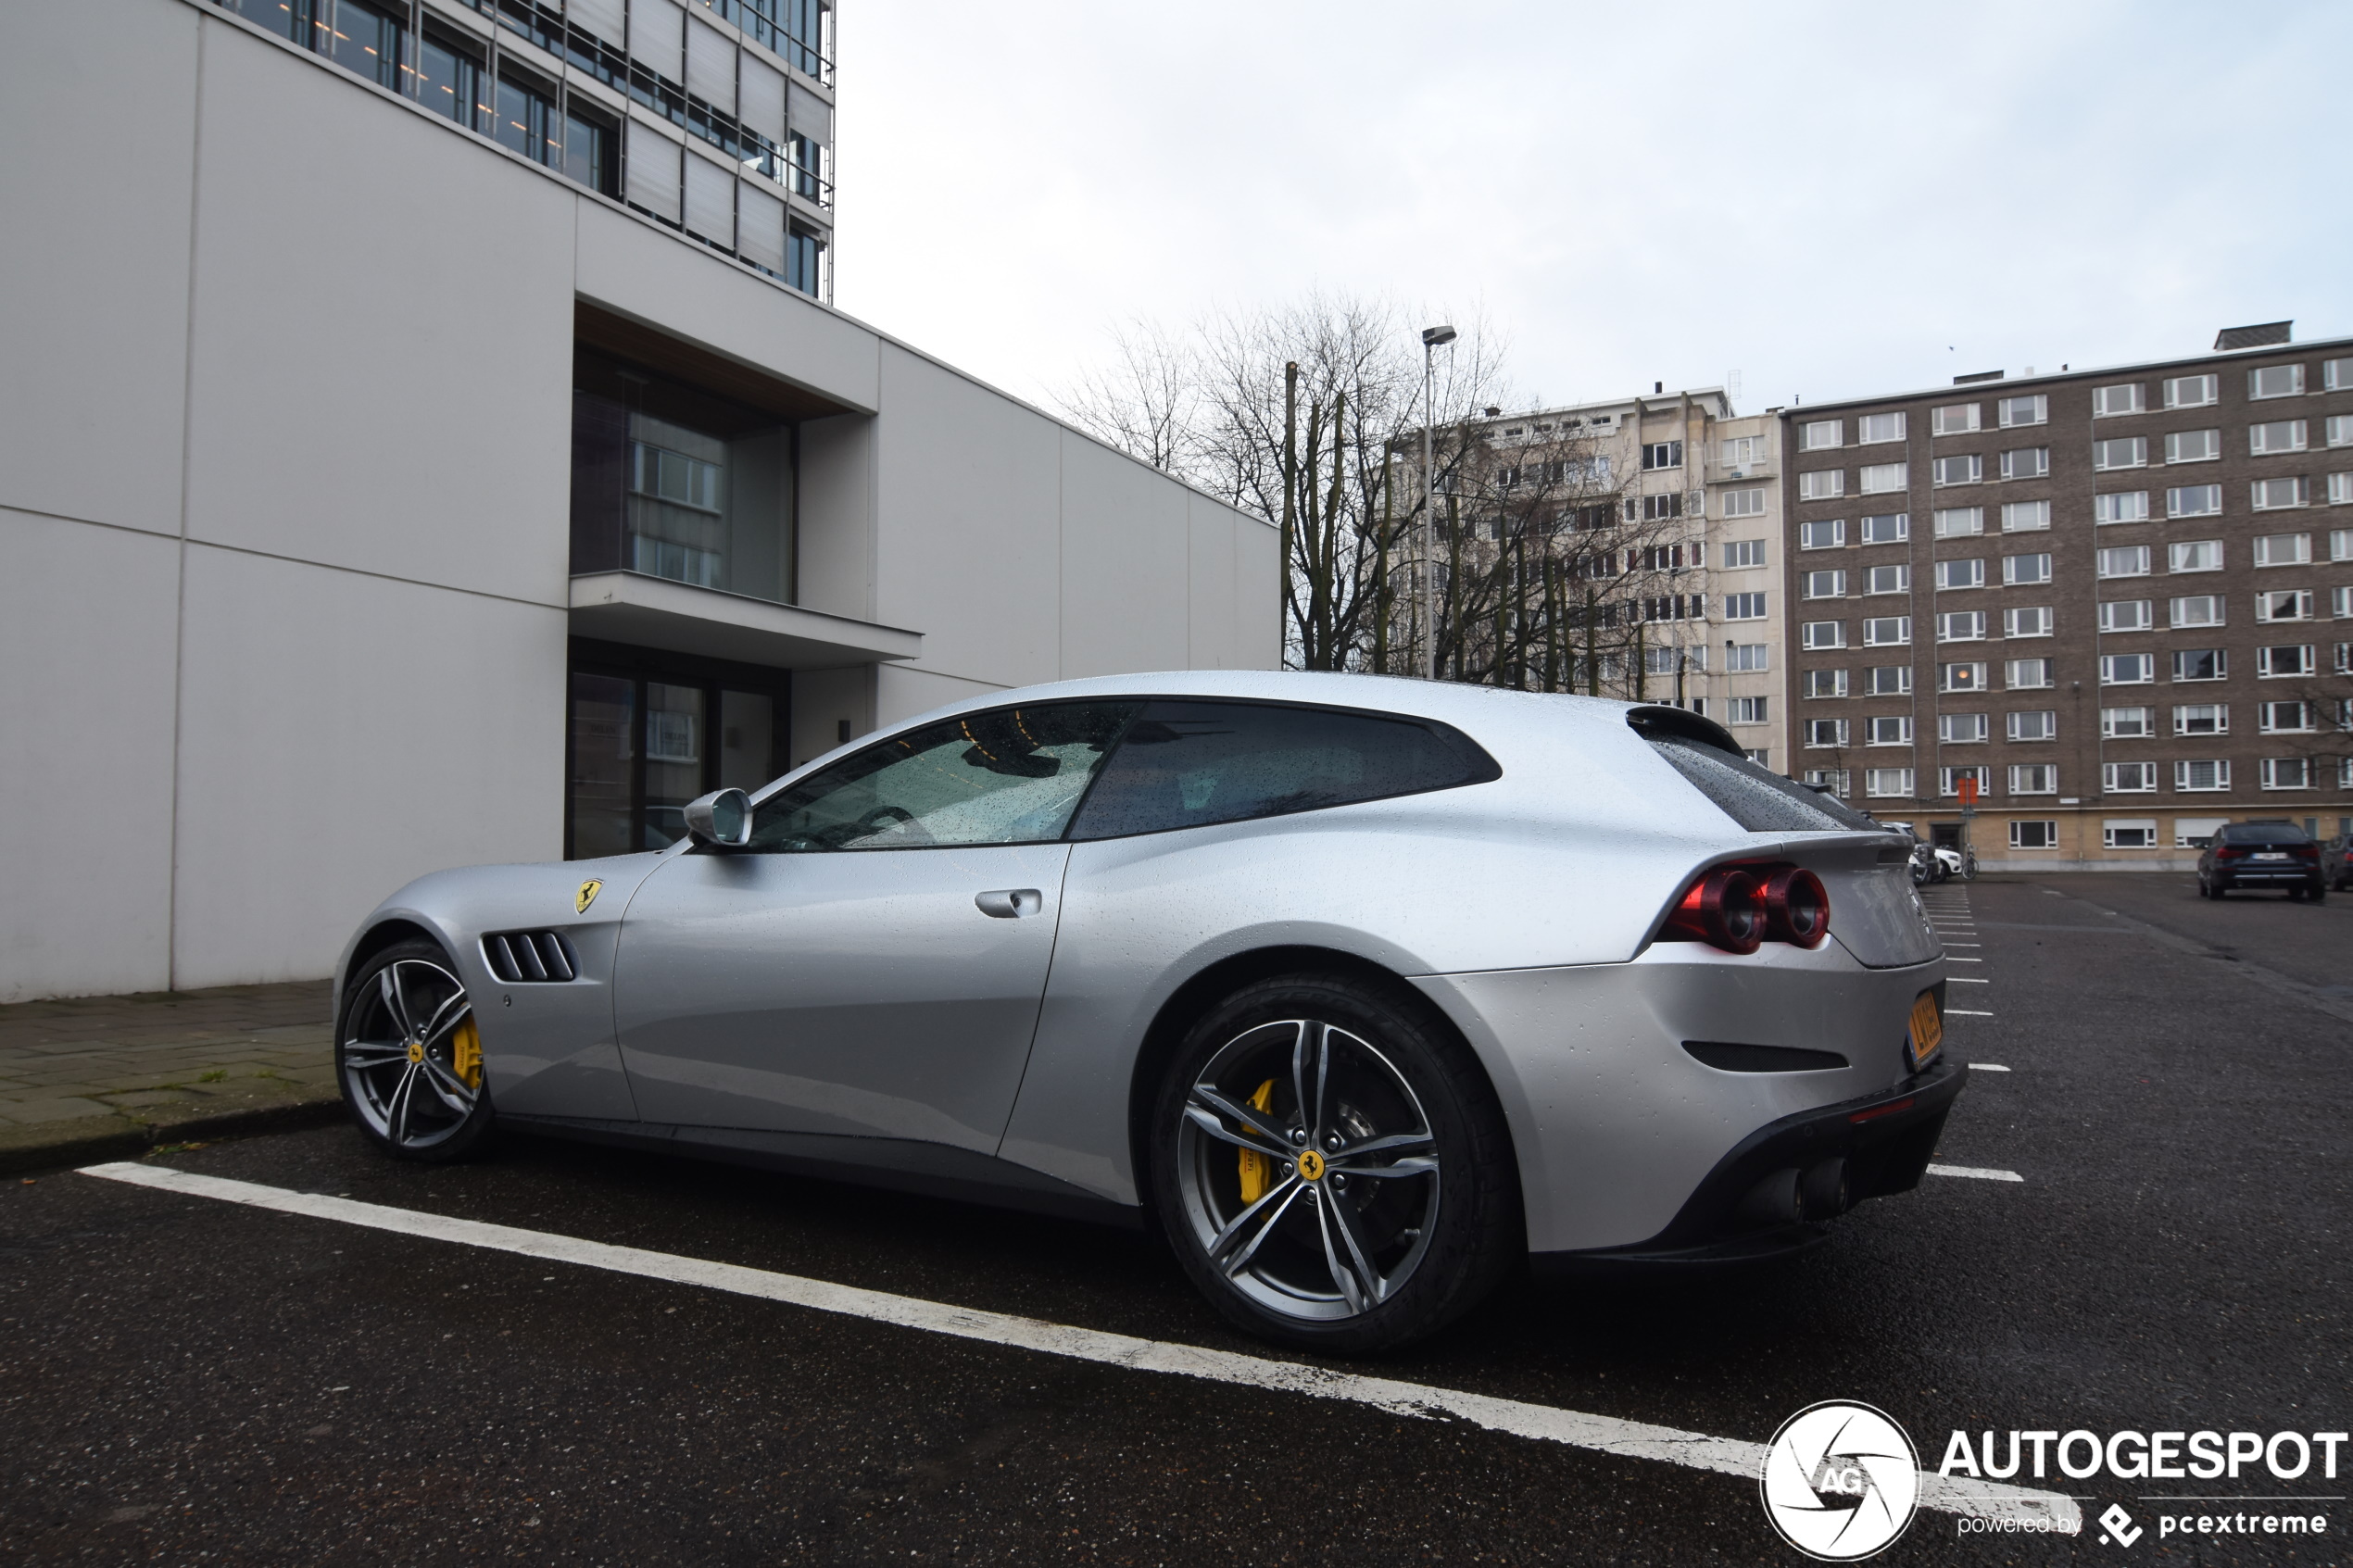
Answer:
(1187, 764)
(1007, 776)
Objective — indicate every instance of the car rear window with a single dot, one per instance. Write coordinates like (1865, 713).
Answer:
(1757, 799)
(2264, 832)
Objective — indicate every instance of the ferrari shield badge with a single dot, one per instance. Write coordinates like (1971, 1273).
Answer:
(589, 891)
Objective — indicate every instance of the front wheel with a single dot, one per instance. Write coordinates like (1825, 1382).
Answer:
(1332, 1167)
(410, 1058)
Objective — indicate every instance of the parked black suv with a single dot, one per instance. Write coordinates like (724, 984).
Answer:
(2261, 855)
(2336, 862)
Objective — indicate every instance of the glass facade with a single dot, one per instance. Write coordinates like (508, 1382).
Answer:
(649, 731)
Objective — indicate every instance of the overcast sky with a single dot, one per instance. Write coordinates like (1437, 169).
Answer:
(1830, 200)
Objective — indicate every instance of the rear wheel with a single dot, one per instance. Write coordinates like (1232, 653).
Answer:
(408, 1057)
(1332, 1167)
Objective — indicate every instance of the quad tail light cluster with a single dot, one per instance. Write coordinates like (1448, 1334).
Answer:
(1740, 908)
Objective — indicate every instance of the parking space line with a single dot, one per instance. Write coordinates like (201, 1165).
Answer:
(1966, 979)
(1965, 944)
(1599, 1434)
(1986, 1067)
(1965, 960)
(1965, 1012)
(1975, 1172)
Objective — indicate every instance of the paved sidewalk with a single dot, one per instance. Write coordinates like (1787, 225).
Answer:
(87, 1076)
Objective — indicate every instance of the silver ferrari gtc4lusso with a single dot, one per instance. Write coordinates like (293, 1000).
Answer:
(1360, 990)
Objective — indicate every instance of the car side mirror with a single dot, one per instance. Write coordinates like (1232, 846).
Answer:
(721, 820)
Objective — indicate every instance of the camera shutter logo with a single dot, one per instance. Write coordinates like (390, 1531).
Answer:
(1841, 1481)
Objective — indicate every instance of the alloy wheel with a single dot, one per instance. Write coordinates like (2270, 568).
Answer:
(411, 1057)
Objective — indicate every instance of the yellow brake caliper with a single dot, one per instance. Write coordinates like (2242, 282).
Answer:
(465, 1054)
(1258, 1171)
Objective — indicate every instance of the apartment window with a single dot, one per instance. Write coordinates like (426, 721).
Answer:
(2199, 664)
(1739, 451)
(1962, 677)
(2202, 775)
(1961, 729)
(2336, 375)
(1749, 710)
(2292, 660)
(2031, 620)
(1961, 627)
(1891, 631)
(1967, 468)
(1824, 584)
(2124, 399)
(1743, 552)
(2033, 724)
(2195, 555)
(2341, 544)
(1960, 522)
(450, 81)
(2193, 447)
(2128, 723)
(1888, 679)
(2276, 381)
(2275, 437)
(1821, 484)
(2194, 501)
(2197, 610)
(2029, 675)
(1761, 755)
(2341, 603)
(2122, 506)
(2033, 778)
(1744, 607)
(1745, 657)
(2026, 516)
(1889, 528)
(1954, 419)
(1822, 635)
(1879, 479)
(2128, 778)
(2127, 669)
(2191, 392)
(2283, 604)
(2035, 836)
(2291, 718)
(1817, 435)
(1825, 731)
(1828, 535)
(1742, 503)
(1886, 782)
(2345, 659)
(2339, 430)
(2286, 772)
(2120, 452)
(2283, 549)
(2124, 560)
(1948, 781)
(1893, 579)
(2127, 615)
(1658, 507)
(2131, 833)
(2340, 489)
(1834, 780)
(1873, 428)
(1826, 682)
(1663, 455)
(2202, 719)
(1956, 574)
(2030, 410)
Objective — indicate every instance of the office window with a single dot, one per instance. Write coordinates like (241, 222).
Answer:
(1749, 710)
(591, 149)
(2191, 392)
(1887, 782)
(1956, 574)
(1967, 468)
(653, 176)
(2336, 375)
(2195, 555)
(2202, 774)
(2131, 832)
(1742, 503)
(2127, 669)
(2124, 399)
(2035, 836)
(2018, 571)
(1889, 528)
(1817, 435)
(450, 81)
(1822, 484)
(1825, 731)
(368, 43)
(2193, 447)
(2030, 674)
(2033, 724)
(1744, 607)
(2293, 660)
(1954, 419)
(525, 120)
(2122, 506)
(710, 201)
(1960, 522)
(1824, 584)
(1961, 627)
(1888, 729)
(1822, 635)
(2127, 615)
(2283, 604)
(2283, 549)
(2287, 773)
(2120, 452)
(1888, 679)
(2290, 718)
(1965, 677)
(2194, 501)
(1745, 657)
(1826, 682)
(2034, 409)
(2202, 719)
(2339, 429)
(2026, 516)
(2276, 381)
(2128, 723)
(1961, 729)
(2033, 778)
(1833, 780)
(804, 261)
(2128, 778)
(1892, 630)
(1871, 428)
(2201, 664)
(2124, 560)
(2197, 609)
(2275, 436)
(1743, 552)
(1948, 781)
(1663, 455)
(1893, 579)
(1879, 479)
(1827, 534)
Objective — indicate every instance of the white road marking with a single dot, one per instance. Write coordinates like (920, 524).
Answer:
(1965, 1012)
(1986, 1067)
(1965, 944)
(1600, 1433)
(1966, 979)
(1965, 960)
(1976, 1173)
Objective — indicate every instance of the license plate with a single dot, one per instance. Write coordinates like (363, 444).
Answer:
(2271, 857)
(1928, 1030)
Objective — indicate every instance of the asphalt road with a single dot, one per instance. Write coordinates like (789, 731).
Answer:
(187, 1380)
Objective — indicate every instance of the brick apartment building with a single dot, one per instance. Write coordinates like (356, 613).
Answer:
(2121, 600)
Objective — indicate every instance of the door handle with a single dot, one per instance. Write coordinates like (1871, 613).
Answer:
(1010, 903)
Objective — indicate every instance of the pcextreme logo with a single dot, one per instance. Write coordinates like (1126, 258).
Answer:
(1841, 1481)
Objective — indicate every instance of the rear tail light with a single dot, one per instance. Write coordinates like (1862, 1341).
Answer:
(1797, 907)
(1738, 908)
(2309, 851)
(2228, 854)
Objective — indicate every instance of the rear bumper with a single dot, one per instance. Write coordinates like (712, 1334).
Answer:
(2292, 873)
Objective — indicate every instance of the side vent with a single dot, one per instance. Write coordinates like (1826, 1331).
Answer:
(521, 958)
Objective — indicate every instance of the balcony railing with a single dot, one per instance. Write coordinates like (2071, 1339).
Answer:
(1733, 473)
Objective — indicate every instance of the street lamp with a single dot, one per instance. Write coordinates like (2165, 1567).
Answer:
(1431, 338)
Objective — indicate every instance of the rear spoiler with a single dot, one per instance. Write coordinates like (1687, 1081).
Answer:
(1654, 720)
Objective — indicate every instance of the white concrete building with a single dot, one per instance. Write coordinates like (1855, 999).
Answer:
(384, 491)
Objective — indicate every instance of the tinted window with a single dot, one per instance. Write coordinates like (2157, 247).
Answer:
(1185, 764)
(1757, 799)
(1009, 776)
(2263, 833)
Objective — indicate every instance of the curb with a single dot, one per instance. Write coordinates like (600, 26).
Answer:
(122, 1139)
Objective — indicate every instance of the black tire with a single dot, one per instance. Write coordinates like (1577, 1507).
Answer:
(1435, 1243)
(410, 1068)
(2297, 895)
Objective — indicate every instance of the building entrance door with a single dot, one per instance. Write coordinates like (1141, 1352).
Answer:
(649, 731)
